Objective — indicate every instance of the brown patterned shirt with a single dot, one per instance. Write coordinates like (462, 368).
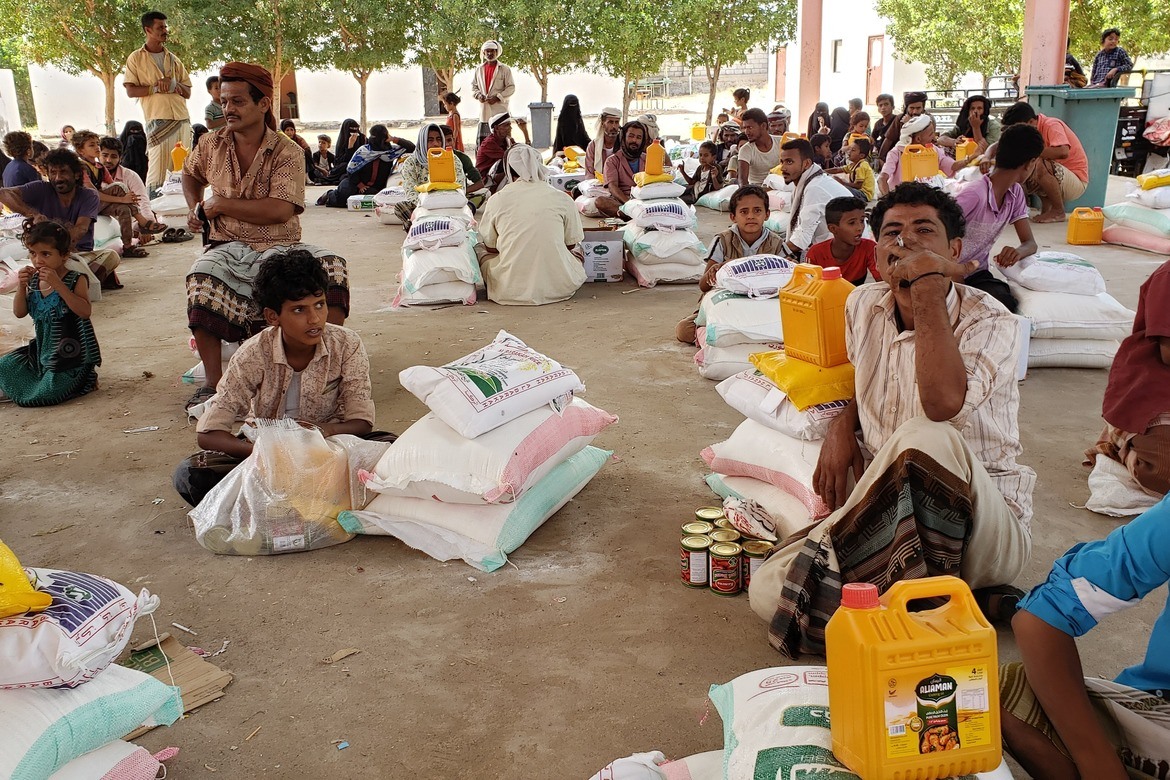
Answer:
(278, 171)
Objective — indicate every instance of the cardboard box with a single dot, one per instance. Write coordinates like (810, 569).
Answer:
(565, 182)
(604, 255)
(199, 682)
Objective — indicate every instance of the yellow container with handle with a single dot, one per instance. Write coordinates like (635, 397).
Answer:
(965, 148)
(1085, 226)
(178, 156)
(812, 314)
(913, 693)
(440, 165)
(919, 162)
(698, 131)
(655, 159)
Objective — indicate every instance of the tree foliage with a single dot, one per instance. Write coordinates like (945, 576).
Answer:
(712, 34)
(1145, 27)
(367, 39)
(445, 37)
(631, 39)
(540, 37)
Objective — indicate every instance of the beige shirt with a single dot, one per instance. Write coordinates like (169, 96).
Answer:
(277, 171)
(503, 86)
(141, 70)
(887, 393)
(334, 387)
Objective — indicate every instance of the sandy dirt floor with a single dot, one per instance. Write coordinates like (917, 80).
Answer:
(587, 649)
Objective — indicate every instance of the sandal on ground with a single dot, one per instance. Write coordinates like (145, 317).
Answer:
(175, 236)
(1000, 603)
(152, 227)
(135, 251)
(200, 396)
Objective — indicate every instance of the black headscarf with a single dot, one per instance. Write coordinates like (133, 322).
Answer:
(814, 126)
(838, 128)
(570, 126)
(133, 140)
(342, 148)
(963, 124)
(197, 132)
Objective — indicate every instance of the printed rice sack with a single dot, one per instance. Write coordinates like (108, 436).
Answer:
(443, 199)
(492, 386)
(116, 761)
(1056, 272)
(719, 200)
(650, 246)
(1064, 316)
(806, 384)
(719, 363)
(757, 276)
(81, 633)
(755, 396)
(776, 725)
(462, 214)
(1157, 198)
(787, 512)
(465, 293)
(430, 460)
(658, 190)
(481, 535)
(651, 274)
(433, 232)
(668, 214)
(761, 453)
(391, 196)
(732, 319)
(1139, 217)
(1136, 239)
(1072, 353)
(421, 267)
(45, 730)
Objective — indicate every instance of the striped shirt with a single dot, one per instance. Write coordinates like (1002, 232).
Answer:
(887, 392)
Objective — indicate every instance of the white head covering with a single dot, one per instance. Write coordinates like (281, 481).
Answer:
(420, 149)
(491, 45)
(526, 163)
(912, 126)
(499, 119)
(650, 122)
(599, 136)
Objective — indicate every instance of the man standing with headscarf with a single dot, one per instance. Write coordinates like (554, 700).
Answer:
(492, 85)
(529, 234)
(257, 180)
(620, 168)
(156, 76)
(605, 141)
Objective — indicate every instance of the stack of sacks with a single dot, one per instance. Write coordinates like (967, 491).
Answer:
(63, 706)
(661, 236)
(170, 207)
(1074, 322)
(504, 447)
(590, 190)
(438, 256)
(1144, 222)
(741, 315)
(384, 203)
(719, 200)
(107, 234)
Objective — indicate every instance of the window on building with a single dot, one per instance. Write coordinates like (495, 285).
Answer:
(837, 56)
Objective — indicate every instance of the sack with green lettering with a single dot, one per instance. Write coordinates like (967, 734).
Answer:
(1056, 272)
(1147, 220)
(776, 725)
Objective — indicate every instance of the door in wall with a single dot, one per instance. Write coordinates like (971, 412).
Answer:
(781, 71)
(873, 73)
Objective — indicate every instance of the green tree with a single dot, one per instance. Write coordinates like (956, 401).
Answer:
(369, 37)
(445, 36)
(715, 33)
(540, 37)
(633, 39)
(1145, 27)
(12, 57)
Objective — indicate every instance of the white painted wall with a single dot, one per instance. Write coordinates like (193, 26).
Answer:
(9, 108)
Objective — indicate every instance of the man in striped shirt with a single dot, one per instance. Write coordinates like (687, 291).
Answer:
(934, 417)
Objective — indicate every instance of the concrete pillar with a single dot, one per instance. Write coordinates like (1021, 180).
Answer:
(1045, 40)
(810, 61)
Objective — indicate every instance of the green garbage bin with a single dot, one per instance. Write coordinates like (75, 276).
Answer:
(1092, 115)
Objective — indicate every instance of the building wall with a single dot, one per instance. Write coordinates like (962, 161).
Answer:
(752, 72)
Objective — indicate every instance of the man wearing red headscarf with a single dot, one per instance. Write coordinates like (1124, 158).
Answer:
(257, 180)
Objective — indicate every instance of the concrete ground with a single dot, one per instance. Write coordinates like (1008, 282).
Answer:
(587, 649)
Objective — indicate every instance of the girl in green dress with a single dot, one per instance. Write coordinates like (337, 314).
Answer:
(61, 362)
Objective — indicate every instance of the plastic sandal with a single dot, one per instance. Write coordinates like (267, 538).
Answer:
(200, 396)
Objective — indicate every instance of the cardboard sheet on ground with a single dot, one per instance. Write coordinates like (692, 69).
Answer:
(199, 681)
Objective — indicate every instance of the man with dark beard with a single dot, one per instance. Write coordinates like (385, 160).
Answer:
(621, 167)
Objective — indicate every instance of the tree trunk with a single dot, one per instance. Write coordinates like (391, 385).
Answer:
(712, 87)
(627, 80)
(542, 79)
(363, 78)
(108, 81)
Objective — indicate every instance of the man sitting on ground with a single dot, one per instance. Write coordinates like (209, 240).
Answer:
(991, 203)
(63, 198)
(257, 179)
(1063, 172)
(761, 153)
(494, 148)
(778, 120)
(370, 167)
(1137, 399)
(620, 169)
(301, 366)
(814, 189)
(936, 406)
(605, 141)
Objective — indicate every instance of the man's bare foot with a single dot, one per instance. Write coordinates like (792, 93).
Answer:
(1050, 216)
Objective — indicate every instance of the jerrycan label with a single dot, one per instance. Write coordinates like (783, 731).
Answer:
(948, 710)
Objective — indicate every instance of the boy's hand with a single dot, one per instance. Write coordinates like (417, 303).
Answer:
(1008, 256)
(25, 275)
(708, 279)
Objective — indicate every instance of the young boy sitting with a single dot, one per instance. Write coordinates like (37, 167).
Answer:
(822, 149)
(708, 177)
(1060, 724)
(858, 174)
(747, 236)
(846, 250)
(323, 159)
(300, 367)
(992, 202)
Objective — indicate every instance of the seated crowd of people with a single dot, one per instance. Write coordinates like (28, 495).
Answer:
(921, 470)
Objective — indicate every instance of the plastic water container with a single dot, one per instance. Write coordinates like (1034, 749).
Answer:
(178, 156)
(919, 162)
(655, 158)
(1085, 226)
(786, 137)
(698, 132)
(440, 165)
(857, 137)
(812, 312)
(913, 694)
(965, 148)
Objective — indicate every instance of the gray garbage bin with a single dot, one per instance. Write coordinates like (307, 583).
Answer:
(540, 127)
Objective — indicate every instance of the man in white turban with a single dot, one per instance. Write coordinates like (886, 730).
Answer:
(492, 85)
(605, 140)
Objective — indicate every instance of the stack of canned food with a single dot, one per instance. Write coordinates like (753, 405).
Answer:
(715, 554)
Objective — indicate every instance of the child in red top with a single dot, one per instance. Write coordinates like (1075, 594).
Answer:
(451, 102)
(847, 250)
